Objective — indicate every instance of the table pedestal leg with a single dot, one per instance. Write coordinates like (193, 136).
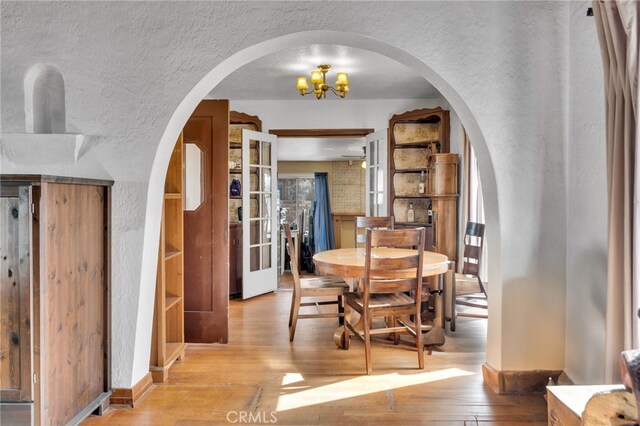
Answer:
(435, 336)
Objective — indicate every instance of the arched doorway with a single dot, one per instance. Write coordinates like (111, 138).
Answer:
(228, 66)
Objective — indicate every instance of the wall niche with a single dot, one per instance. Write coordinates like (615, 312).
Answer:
(45, 111)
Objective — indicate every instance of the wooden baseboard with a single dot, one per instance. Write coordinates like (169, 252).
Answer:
(134, 395)
(518, 382)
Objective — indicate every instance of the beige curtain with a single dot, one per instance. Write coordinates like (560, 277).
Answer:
(472, 202)
(617, 25)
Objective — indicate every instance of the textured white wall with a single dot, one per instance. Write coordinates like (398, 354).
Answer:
(586, 204)
(135, 71)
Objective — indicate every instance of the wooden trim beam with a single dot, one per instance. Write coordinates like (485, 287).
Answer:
(321, 133)
(134, 395)
(518, 382)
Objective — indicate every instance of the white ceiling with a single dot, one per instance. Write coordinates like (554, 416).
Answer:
(273, 77)
(320, 149)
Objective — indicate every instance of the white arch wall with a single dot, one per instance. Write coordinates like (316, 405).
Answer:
(129, 66)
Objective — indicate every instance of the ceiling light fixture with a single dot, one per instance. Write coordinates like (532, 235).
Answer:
(320, 87)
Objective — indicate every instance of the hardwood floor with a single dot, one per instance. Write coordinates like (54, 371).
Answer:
(260, 377)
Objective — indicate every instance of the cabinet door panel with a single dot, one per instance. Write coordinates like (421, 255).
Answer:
(15, 294)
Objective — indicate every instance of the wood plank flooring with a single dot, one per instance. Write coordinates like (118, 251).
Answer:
(260, 377)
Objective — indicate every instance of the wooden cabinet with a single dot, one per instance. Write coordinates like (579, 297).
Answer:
(168, 319)
(423, 176)
(54, 300)
(235, 260)
(237, 122)
(443, 183)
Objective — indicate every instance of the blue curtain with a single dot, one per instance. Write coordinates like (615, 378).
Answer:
(322, 221)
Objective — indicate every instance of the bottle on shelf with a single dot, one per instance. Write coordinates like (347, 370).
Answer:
(411, 214)
(421, 183)
(429, 214)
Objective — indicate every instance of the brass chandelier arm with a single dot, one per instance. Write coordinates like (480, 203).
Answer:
(337, 92)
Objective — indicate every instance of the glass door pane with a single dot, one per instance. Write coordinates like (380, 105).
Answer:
(376, 180)
(259, 244)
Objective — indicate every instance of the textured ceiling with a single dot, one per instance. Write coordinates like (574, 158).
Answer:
(371, 75)
(320, 149)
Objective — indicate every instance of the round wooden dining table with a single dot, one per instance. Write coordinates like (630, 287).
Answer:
(349, 263)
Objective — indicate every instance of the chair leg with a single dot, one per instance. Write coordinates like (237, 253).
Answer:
(367, 341)
(482, 289)
(419, 341)
(396, 335)
(341, 310)
(295, 307)
(452, 324)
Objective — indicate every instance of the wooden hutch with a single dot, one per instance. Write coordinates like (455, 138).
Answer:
(419, 151)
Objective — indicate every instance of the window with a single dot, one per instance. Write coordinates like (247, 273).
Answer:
(296, 195)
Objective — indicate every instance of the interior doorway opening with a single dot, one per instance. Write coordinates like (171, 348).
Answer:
(236, 61)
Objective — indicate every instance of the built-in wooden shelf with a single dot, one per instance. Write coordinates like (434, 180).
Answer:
(418, 170)
(171, 301)
(412, 196)
(169, 254)
(416, 224)
(174, 349)
(168, 327)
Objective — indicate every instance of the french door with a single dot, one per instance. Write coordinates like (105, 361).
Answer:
(259, 218)
(376, 176)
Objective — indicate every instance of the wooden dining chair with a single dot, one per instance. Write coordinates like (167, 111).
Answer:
(392, 288)
(323, 286)
(467, 289)
(373, 222)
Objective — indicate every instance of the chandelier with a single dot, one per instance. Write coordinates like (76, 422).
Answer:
(320, 87)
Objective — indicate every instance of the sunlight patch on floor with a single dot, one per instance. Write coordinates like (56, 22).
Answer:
(359, 386)
(290, 378)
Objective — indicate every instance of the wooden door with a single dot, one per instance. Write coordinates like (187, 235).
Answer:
(206, 229)
(15, 294)
(259, 218)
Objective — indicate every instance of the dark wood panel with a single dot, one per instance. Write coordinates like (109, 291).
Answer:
(207, 286)
(198, 225)
(235, 259)
(73, 298)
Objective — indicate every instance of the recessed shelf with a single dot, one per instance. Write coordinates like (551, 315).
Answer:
(418, 170)
(413, 196)
(413, 224)
(415, 144)
(169, 254)
(171, 301)
(173, 350)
